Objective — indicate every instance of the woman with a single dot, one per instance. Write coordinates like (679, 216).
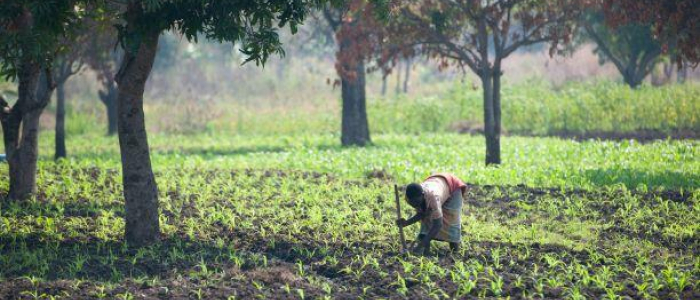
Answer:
(438, 202)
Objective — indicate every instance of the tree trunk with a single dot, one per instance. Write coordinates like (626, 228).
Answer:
(639, 67)
(407, 76)
(668, 71)
(355, 127)
(11, 126)
(486, 74)
(632, 79)
(682, 74)
(21, 130)
(493, 155)
(397, 89)
(60, 121)
(112, 113)
(384, 78)
(629, 73)
(497, 114)
(109, 99)
(140, 189)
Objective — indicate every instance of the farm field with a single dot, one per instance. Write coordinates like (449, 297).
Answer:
(297, 216)
(533, 108)
(170, 149)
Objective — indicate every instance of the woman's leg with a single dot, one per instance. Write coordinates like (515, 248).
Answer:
(454, 247)
(420, 238)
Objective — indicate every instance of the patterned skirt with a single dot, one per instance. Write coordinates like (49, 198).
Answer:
(451, 230)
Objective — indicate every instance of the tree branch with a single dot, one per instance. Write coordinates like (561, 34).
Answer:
(522, 43)
(507, 32)
(603, 47)
(50, 80)
(465, 55)
(328, 15)
(4, 108)
(646, 64)
(483, 43)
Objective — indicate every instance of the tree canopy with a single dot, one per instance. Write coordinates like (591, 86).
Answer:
(676, 23)
(32, 34)
(631, 47)
(253, 24)
(33, 30)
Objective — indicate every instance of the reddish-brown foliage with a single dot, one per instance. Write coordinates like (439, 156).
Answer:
(359, 33)
(462, 32)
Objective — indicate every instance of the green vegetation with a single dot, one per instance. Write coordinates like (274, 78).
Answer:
(298, 215)
(536, 108)
(257, 199)
(277, 208)
(587, 107)
(536, 162)
(531, 108)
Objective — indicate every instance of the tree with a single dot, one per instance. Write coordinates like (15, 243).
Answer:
(104, 58)
(407, 74)
(66, 65)
(480, 35)
(30, 33)
(630, 47)
(674, 22)
(106, 69)
(357, 35)
(253, 24)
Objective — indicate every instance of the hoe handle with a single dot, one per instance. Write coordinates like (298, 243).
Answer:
(398, 213)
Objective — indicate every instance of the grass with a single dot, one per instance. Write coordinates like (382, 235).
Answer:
(530, 108)
(536, 108)
(536, 162)
(297, 216)
(262, 202)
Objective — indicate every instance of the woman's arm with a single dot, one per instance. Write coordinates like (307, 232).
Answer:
(417, 217)
(424, 244)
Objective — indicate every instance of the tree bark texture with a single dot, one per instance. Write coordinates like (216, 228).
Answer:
(490, 80)
(21, 128)
(496, 148)
(397, 88)
(355, 126)
(108, 97)
(407, 75)
(140, 189)
(384, 79)
(493, 149)
(60, 137)
(632, 78)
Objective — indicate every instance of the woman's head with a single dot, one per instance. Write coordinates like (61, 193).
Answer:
(414, 194)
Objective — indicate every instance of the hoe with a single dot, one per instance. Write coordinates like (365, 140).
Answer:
(398, 215)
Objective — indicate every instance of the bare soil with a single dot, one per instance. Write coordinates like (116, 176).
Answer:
(642, 136)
